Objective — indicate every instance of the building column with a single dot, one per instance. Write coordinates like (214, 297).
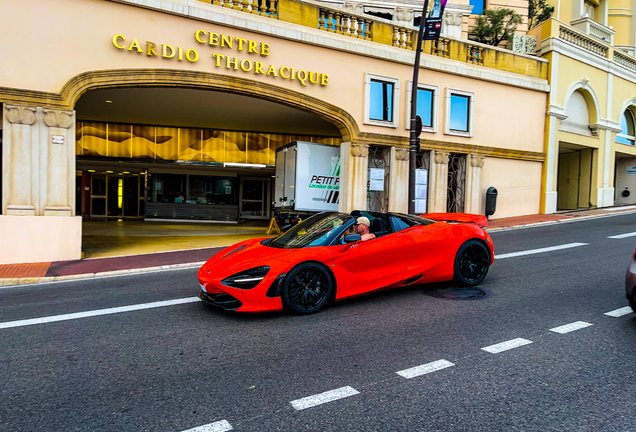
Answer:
(399, 180)
(474, 199)
(439, 188)
(354, 164)
(38, 186)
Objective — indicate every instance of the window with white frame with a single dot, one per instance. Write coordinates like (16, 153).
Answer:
(381, 99)
(426, 106)
(627, 135)
(459, 112)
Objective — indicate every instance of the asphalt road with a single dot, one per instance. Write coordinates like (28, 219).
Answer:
(186, 366)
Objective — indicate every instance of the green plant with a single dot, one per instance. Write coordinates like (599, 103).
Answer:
(495, 26)
(538, 11)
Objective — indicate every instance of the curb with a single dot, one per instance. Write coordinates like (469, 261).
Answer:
(11, 282)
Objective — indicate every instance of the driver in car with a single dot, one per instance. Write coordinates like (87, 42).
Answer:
(362, 227)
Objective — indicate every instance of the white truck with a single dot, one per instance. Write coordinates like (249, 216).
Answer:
(307, 180)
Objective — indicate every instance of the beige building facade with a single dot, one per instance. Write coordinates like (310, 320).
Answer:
(174, 109)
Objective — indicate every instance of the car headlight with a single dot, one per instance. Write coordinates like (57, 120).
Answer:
(247, 279)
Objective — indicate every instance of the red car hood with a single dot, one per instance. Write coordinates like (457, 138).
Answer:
(458, 217)
(250, 253)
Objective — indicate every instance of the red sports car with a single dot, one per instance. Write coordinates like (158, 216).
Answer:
(318, 261)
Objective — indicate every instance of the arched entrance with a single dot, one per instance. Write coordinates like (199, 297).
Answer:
(189, 151)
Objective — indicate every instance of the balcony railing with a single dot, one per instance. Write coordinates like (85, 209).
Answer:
(594, 29)
(256, 7)
(583, 41)
(348, 24)
(625, 60)
(345, 22)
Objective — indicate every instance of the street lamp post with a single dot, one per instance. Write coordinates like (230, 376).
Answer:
(430, 29)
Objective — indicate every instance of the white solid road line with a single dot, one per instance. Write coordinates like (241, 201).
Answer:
(505, 346)
(536, 251)
(621, 236)
(425, 369)
(49, 319)
(620, 312)
(220, 426)
(570, 327)
(328, 396)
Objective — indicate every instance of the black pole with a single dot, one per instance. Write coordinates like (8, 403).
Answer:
(414, 133)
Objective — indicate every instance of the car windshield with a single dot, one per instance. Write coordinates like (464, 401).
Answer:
(315, 231)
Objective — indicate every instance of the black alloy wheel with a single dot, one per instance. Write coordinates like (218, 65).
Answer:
(472, 263)
(307, 289)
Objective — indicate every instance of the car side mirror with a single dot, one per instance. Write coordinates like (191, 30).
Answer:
(352, 238)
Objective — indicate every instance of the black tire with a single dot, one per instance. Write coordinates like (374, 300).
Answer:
(472, 263)
(632, 303)
(307, 289)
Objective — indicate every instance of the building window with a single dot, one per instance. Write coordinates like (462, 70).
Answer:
(627, 125)
(459, 112)
(426, 106)
(381, 96)
(478, 7)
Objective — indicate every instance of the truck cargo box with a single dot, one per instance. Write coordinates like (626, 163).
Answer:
(307, 177)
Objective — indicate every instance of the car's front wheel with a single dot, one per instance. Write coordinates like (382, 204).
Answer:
(307, 289)
(472, 263)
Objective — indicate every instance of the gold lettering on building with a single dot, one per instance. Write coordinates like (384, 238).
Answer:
(231, 62)
(150, 49)
(192, 55)
(258, 68)
(135, 45)
(226, 41)
(198, 35)
(165, 49)
(246, 65)
(221, 41)
(115, 39)
(218, 58)
(272, 71)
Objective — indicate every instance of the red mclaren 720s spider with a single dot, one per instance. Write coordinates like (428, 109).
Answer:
(318, 260)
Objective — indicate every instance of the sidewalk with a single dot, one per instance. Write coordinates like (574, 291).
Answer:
(112, 248)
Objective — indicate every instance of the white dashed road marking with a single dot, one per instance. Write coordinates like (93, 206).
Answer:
(619, 312)
(505, 346)
(220, 426)
(98, 312)
(328, 396)
(425, 369)
(570, 327)
(621, 236)
(541, 250)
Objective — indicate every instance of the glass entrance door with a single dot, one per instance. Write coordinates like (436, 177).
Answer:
(115, 196)
(254, 202)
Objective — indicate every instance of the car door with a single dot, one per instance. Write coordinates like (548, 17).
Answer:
(434, 251)
(367, 266)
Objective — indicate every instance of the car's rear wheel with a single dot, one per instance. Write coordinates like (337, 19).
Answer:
(632, 303)
(307, 289)
(472, 263)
